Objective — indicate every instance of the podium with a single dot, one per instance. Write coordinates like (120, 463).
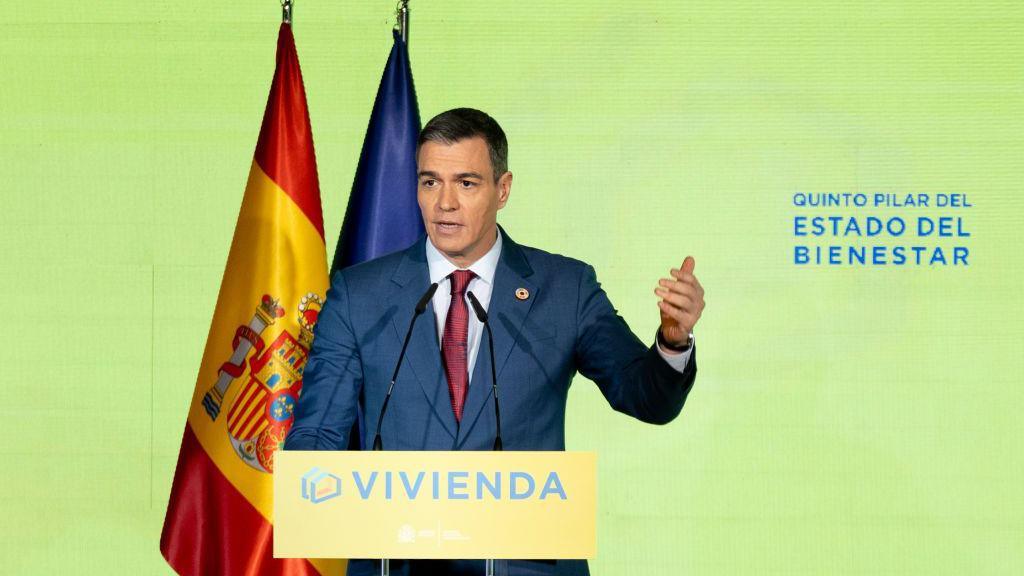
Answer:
(435, 505)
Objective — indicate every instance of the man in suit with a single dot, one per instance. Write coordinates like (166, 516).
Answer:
(549, 315)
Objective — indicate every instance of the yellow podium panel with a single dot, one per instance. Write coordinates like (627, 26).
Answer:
(527, 505)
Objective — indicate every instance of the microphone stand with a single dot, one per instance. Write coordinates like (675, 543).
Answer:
(378, 445)
(481, 315)
(420, 307)
(494, 389)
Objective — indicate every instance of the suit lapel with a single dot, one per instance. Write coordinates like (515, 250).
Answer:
(423, 358)
(506, 314)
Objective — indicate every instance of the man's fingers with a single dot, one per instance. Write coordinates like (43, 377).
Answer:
(688, 265)
(689, 300)
(690, 310)
(684, 319)
(678, 274)
(684, 301)
(689, 287)
(682, 275)
(696, 283)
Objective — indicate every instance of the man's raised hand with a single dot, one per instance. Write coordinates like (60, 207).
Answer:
(682, 301)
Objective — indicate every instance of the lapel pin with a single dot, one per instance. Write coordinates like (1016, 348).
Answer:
(522, 293)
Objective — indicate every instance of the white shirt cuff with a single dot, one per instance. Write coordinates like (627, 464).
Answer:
(678, 360)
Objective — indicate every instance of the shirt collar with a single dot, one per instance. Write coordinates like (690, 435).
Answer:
(484, 268)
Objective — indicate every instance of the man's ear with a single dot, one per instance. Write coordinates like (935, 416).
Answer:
(504, 188)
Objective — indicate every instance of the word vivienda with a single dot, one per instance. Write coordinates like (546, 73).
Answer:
(457, 485)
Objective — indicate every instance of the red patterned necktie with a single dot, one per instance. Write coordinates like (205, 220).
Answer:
(454, 343)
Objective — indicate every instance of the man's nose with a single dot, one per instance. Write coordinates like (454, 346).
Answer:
(448, 199)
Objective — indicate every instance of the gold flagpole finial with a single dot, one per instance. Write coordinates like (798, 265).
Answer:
(286, 11)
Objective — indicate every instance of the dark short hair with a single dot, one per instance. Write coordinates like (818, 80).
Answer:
(462, 123)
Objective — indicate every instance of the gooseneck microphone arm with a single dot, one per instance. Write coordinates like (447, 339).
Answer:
(481, 315)
(420, 307)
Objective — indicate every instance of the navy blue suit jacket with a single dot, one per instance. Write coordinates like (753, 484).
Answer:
(566, 325)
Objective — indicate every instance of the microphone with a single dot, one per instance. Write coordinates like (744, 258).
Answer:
(420, 307)
(481, 315)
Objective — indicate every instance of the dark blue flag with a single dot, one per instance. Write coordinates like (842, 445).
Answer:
(382, 214)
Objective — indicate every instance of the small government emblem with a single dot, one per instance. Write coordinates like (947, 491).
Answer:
(406, 534)
(522, 293)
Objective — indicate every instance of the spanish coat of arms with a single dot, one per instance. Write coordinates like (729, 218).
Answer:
(263, 406)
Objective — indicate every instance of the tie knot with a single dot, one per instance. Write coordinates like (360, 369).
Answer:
(460, 280)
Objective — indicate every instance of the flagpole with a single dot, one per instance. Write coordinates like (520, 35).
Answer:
(403, 20)
(286, 11)
(402, 23)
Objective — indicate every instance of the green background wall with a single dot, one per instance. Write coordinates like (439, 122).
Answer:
(846, 420)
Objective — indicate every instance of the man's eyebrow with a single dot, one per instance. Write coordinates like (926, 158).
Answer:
(459, 176)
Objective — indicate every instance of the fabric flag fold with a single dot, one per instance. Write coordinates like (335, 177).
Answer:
(382, 214)
(219, 517)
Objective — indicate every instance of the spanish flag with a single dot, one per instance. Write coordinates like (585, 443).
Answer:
(219, 518)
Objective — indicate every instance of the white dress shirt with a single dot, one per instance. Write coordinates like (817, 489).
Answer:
(481, 286)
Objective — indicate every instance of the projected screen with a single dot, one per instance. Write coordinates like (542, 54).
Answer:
(847, 177)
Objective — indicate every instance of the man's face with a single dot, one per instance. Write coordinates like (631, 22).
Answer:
(459, 198)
